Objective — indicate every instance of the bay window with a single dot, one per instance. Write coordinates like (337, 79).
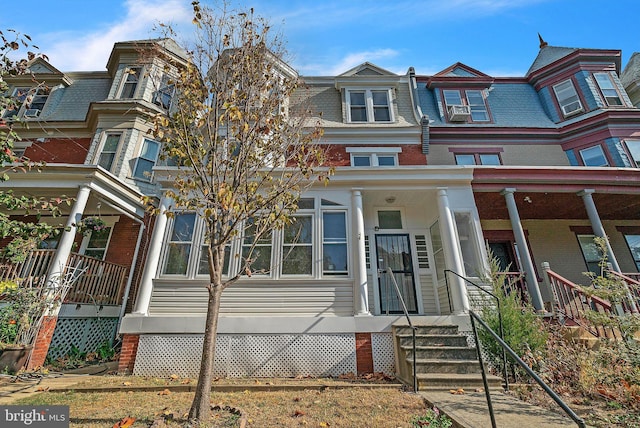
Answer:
(179, 244)
(297, 247)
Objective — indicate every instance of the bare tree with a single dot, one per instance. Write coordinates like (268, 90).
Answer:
(243, 151)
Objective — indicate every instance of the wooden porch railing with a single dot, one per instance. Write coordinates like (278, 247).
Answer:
(571, 303)
(102, 283)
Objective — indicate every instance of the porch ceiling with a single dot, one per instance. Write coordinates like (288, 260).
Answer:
(548, 206)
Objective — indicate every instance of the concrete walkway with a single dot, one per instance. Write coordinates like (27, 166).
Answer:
(469, 410)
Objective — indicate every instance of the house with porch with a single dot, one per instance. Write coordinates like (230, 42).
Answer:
(430, 172)
(92, 130)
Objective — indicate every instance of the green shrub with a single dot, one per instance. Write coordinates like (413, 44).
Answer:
(432, 419)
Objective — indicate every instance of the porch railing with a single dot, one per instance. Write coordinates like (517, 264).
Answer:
(633, 285)
(102, 282)
(571, 303)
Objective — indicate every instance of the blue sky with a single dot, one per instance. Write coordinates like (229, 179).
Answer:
(497, 37)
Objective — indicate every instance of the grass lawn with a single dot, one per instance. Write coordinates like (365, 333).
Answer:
(330, 406)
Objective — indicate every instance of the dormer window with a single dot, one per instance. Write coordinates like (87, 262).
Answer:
(464, 104)
(608, 89)
(26, 102)
(131, 79)
(594, 156)
(369, 105)
(163, 96)
(567, 98)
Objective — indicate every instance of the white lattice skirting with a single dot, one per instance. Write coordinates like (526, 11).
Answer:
(86, 334)
(264, 355)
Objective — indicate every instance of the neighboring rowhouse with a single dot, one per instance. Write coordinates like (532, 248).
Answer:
(430, 171)
(91, 129)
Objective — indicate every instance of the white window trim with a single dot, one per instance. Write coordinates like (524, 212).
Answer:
(110, 222)
(277, 249)
(369, 103)
(373, 153)
(562, 107)
(614, 88)
(123, 80)
(155, 162)
(103, 140)
(403, 219)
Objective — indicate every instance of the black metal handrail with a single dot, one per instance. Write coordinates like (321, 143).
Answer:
(500, 325)
(413, 329)
(474, 317)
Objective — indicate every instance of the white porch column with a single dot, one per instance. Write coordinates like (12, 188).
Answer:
(598, 230)
(68, 236)
(452, 253)
(523, 249)
(361, 292)
(153, 259)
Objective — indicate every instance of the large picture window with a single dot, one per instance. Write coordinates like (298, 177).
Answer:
(314, 245)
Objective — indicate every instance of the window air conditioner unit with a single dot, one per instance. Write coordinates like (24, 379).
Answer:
(32, 112)
(459, 113)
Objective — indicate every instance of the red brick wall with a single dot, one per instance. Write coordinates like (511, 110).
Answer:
(411, 154)
(43, 340)
(123, 241)
(59, 150)
(149, 222)
(128, 353)
(364, 353)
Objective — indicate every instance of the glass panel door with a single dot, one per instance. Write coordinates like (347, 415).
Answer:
(394, 251)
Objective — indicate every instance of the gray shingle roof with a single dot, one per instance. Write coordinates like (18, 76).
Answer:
(547, 55)
(72, 102)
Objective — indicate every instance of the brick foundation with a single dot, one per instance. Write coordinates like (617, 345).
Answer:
(128, 353)
(42, 343)
(364, 353)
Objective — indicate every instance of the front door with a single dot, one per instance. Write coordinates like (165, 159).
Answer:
(394, 251)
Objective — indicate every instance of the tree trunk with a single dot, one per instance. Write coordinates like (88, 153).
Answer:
(201, 407)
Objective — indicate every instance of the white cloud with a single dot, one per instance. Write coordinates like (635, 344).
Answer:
(357, 58)
(90, 51)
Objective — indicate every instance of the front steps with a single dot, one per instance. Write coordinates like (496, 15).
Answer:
(444, 361)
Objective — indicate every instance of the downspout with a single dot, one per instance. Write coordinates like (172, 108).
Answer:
(420, 117)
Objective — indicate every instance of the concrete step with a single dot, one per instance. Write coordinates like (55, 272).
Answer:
(433, 340)
(426, 329)
(445, 366)
(454, 381)
(469, 410)
(442, 352)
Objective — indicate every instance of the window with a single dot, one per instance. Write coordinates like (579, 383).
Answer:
(567, 97)
(314, 245)
(389, 219)
(334, 243)
(478, 159)
(179, 244)
(608, 88)
(594, 156)
(372, 156)
(475, 100)
(97, 243)
(164, 94)
(27, 102)
(109, 150)
(590, 253)
(633, 241)
(368, 105)
(130, 84)
(147, 160)
(297, 247)
(634, 150)
(464, 104)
